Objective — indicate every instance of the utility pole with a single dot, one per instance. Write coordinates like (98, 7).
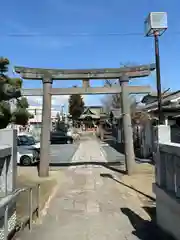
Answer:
(127, 127)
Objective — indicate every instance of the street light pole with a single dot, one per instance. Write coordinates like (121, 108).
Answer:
(158, 78)
(156, 25)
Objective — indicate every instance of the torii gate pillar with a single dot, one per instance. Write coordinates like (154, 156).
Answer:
(45, 129)
(127, 126)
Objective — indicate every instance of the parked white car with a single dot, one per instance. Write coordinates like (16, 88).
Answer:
(28, 150)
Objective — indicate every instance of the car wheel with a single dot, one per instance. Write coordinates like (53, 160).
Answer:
(69, 141)
(25, 161)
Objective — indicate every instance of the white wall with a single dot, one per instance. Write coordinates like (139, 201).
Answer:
(37, 112)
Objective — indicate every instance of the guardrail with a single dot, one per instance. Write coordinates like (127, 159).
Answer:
(10, 198)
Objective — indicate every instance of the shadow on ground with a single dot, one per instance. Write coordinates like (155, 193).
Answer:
(144, 229)
(109, 165)
(119, 147)
(110, 176)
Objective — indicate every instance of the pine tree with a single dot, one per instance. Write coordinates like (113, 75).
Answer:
(10, 89)
(76, 106)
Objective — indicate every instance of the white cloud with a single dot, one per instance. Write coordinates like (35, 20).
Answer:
(56, 101)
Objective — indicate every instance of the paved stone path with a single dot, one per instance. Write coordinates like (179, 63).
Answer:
(91, 204)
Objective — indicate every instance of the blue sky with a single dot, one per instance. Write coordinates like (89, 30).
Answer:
(60, 18)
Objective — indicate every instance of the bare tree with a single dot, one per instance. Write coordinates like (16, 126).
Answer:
(114, 100)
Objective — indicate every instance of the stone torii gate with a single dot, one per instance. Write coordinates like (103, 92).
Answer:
(48, 75)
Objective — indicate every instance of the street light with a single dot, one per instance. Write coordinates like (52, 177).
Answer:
(155, 26)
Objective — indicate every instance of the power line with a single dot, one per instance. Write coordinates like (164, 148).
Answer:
(68, 34)
(116, 34)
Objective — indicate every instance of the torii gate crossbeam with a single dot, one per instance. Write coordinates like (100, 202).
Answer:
(48, 75)
(85, 91)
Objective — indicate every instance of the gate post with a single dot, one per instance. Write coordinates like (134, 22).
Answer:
(127, 127)
(45, 128)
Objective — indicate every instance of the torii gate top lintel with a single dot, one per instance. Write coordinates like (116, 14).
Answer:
(73, 74)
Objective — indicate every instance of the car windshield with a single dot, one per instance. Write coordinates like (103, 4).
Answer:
(26, 140)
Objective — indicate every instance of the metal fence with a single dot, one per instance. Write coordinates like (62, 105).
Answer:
(6, 232)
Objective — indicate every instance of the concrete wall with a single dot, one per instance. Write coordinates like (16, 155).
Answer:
(9, 137)
(8, 175)
(167, 186)
(5, 186)
(168, 212)
(37, 113)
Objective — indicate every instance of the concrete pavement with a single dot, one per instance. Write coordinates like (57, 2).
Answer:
(62, 153)
(90, 204)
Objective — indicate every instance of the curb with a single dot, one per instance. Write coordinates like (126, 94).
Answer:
(103, 153)
(43, 212)
(73, 157)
